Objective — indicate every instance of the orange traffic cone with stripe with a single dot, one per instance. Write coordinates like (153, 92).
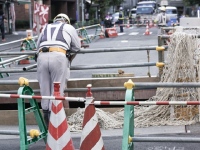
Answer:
(91, 133)
(147, 30)
(59, 137)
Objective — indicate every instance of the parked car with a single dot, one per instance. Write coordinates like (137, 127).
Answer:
(145, 10)
(154, 4)
(115, 18)
(133, 12)
(144, 14)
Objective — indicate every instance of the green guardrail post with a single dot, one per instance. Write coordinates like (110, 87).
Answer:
(84, 35)
(22, 111)
(128, 128)
(28, 44)
(98, 31)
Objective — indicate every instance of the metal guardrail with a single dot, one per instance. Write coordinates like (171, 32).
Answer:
(14, 59)
(99, 50)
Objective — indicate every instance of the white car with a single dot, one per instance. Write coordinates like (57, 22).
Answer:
(115, 18)
(133, 12)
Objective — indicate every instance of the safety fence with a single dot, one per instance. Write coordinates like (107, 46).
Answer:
(25, 92)
(129, 103)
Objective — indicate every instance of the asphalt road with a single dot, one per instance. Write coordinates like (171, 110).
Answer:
(114, 143)
(132, 37)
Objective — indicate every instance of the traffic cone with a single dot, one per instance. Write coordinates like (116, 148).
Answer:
(59, 137)
(91, 134)
(147, 30)
(150, 24)
(128, 25)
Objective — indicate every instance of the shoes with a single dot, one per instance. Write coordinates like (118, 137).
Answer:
(3, 40)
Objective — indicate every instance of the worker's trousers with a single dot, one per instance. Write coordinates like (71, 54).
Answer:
(51, 67)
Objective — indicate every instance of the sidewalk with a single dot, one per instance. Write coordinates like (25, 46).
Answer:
(12, 39)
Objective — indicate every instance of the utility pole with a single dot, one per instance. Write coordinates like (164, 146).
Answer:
(82, 4)
(131, 4)
(30, 16)
(78, 10)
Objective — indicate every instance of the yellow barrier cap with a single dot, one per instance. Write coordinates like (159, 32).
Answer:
(29, 38)
(130, 139)
(23, 81)
(160, 48)
(34, 133)
(129, 84)
(160, 64)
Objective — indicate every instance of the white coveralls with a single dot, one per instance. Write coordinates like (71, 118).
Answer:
(162, 20)
(55, 66)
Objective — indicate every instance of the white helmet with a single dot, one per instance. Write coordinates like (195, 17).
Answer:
(62, 17)
(120, 8)
(163, 8)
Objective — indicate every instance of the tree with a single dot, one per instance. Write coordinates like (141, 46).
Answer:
(116, 3)
(105, 4)
(191, 2)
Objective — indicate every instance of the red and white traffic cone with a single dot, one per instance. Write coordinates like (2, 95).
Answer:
(91, 133)
(150, 24)
(59, 137)
(128, 24)
(147, 30)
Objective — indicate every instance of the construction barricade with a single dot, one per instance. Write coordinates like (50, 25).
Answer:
(111, 32)
(58, 131)
(34, 135)
(128, 125)
(27, 44)
(86, 38)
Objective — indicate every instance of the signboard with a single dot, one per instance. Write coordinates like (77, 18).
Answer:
(111, 32)
(23, 1)
(164, 3)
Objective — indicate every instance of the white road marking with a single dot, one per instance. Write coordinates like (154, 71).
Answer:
(134, 33)
(121, 33)
(124, 41)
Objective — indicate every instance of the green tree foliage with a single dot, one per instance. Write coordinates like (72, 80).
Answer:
(105, 4)
(191, 2)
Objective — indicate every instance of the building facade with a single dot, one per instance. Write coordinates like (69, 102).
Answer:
(56, 6)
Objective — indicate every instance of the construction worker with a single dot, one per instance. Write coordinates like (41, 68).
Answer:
(121, 19)
(162, 19)
(54, 45)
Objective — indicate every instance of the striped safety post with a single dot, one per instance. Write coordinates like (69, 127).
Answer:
(91, 133)
(59, 137)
